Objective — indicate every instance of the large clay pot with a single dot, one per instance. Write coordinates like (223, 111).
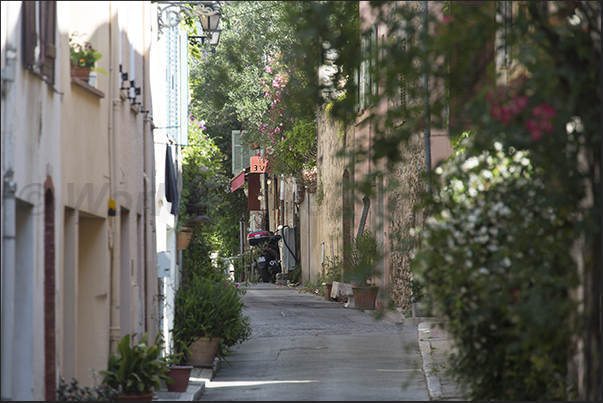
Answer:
(203, 352)
(365, 297)
(180, 374)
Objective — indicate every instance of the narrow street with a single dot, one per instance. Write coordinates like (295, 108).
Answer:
(305, 348)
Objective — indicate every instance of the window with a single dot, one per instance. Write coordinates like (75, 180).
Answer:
(39, 39)
(368, 68)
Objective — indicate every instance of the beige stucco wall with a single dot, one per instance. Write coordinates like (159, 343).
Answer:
(85, 168)
(31, 149)
(107, 152)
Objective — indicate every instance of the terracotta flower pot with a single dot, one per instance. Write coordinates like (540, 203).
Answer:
(180, 374)
(365, 297)
(80, 72)
(328, 288)
(140, 398)
(184, 237)
(203, 352)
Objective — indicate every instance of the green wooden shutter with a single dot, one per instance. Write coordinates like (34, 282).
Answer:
(240, 154)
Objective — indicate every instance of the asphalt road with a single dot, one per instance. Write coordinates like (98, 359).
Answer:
(305, 348)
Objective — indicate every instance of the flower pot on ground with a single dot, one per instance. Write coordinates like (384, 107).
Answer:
(136, 372)
(361, 267)
(203, 351)
(180, 374)
(328, 287)
(365, 297)
(147, 397)
(205, 308)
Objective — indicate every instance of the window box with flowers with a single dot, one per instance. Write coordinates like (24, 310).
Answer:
(83, 58)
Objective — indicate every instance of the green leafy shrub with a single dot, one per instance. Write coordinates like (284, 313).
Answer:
(361, 259)
(332, 267)
(207, 308)
(72, 391)
(137, 370)
(494, 261)
(296, 274)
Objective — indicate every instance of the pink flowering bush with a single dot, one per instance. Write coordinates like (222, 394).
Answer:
(508, 108)
(288, 136)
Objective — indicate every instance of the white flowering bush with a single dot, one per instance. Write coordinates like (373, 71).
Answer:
(492, 259)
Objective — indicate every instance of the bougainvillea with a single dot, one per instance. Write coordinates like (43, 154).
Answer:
(288, 136)
(507, 107)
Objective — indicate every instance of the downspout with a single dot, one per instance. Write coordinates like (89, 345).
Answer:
(309, 220)
(8, 220)
(8, 282)
(148, 224)
(426, 110)
(114, 316)
(282, 197)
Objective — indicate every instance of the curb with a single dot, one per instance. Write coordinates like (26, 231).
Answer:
(434, 386)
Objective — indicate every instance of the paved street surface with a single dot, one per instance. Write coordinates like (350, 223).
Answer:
(305, 348)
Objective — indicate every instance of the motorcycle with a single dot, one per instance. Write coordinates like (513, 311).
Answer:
(268, 263)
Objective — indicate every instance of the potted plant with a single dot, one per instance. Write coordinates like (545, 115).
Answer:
(136, 372)
(331, 272)
(83, 58)
(360, 267)
(208, 319)
(180, 373)
(184, 236)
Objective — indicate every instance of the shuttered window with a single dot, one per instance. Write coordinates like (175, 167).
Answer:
(367, 85)
(39, 38)
(240, 154)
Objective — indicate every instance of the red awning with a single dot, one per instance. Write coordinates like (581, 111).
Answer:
(237, 181)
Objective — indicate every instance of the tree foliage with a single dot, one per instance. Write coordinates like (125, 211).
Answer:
(509, 240)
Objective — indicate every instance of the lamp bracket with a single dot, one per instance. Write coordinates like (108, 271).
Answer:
(174, 9)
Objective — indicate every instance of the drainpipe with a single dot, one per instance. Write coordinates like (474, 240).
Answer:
(147, 228)
(114, 318)
(282, 197)
(426, 103)
(8, 220)
(8, 282)
(309, 220)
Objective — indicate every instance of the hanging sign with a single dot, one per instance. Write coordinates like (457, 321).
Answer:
(258, 164)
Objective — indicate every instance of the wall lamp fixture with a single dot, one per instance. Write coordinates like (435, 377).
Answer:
(207, 12)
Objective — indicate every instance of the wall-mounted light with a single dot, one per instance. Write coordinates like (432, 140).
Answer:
(211, 39)
(208, 13)
(260, 197)
(269, 182)
(124, 78)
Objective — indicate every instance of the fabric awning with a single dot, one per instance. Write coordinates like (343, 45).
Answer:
(237, 181)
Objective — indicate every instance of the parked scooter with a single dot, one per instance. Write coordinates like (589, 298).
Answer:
(268, 262)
